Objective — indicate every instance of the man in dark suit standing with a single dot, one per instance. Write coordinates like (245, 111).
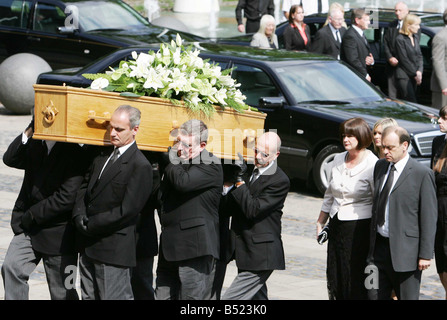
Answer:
(142, 278)
(113, 194)
(255, 204)
(355, 48)
(328, 39)
(253, 11)
(41, 215)
(190, 195)
(389, 39)
(403, 221)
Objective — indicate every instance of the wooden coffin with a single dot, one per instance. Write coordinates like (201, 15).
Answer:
(81, 115)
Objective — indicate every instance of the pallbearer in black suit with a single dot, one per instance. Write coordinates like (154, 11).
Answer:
(255, 203)
(41, 215)
(190, 194)
(328, 39)
(355, 48)
(113, 194)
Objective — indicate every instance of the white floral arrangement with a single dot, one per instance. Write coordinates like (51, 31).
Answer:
(175, 73)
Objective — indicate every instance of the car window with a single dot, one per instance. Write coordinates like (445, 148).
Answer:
(14, 13)
(424, 41)
(48, 18)
(255, 83)
(374, 35)
(103, 15)
(325, 81)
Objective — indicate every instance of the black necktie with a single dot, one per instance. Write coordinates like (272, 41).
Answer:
(44, 152)
(112, 160)
(383, 197)
(364, 39)
(254, 175)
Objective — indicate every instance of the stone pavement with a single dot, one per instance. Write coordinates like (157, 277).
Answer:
(303, 279)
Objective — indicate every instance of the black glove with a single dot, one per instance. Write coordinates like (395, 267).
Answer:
(31, 124)
(27, 220)
(81, 224)
(240, 167)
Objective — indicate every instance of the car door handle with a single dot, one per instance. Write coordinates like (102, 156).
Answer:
(32, 38)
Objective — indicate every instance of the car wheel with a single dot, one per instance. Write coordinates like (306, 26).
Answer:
(321, 166)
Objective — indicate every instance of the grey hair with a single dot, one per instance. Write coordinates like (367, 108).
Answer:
(195, 128)
(133, 113)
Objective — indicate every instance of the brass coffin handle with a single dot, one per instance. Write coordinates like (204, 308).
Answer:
(104, 118)
(249, 137)
(49, 113)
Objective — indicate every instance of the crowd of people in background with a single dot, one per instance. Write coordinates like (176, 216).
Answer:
(96, 206)
(369, 227)
(404, 60)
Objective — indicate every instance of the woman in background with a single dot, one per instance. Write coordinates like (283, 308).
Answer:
(297, 33)
(439, 165)
(408, 52)
(348, 203)
(265, 37)
(379, 126)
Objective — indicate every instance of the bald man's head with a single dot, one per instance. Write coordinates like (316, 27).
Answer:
(267, 149)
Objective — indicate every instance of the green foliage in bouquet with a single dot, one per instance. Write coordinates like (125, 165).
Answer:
(175, 73)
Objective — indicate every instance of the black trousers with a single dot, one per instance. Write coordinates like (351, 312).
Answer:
(405, 284)
(252, 26)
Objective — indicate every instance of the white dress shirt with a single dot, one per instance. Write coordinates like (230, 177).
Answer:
(334, 33)
(399, 166)
(350, 191)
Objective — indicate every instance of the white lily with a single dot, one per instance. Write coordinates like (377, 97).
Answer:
(153, 80)
(221, 95)
(178, 40)
(99, 83)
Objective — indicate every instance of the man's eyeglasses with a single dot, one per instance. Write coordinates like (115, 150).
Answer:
(185, 145)
(263, 154)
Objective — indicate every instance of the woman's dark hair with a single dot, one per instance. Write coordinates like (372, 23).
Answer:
(359, 129)
(292, 10)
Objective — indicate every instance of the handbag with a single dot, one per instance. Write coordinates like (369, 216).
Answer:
(324, 234)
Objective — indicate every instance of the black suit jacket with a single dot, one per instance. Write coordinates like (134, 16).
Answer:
(254, 9)
(389, 47)
(293, 39)
(112, 206)
(409, 56)
(147, 237)
(190, 195)
(255, 240)
(354, 51)
(48, 191)
(389, 39)
(325, 43)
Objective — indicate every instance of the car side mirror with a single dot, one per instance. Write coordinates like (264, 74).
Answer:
(66, 30)
(271, 102)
